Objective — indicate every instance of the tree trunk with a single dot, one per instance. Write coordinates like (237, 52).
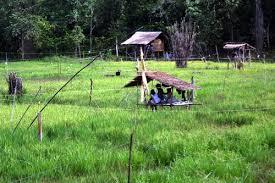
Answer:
(22, 47)
(268, 35)
(91, 30)
(232, 31)
(259, 27)
(75, 51)
(79, 50)
(181, 63)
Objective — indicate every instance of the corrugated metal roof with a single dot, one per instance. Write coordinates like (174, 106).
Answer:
(163, 78)
(141, 38)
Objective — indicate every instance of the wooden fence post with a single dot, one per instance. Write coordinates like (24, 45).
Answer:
(130, 158)
(91, 90)
(40, 133)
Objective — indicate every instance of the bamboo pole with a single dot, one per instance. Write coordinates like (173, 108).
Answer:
(37, 93)
(49, 101)
(130, 157)
(144, 86)
(142, 59)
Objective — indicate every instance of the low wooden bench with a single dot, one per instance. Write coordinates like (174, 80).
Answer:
(176, 104)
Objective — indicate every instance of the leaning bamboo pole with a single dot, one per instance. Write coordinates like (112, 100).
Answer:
(144, 89)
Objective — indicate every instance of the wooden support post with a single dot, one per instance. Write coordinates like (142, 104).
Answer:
(249, 55)
(243, 54)
(144, 86)
(142, 93)
(138, 67)
(91, 90)
(126, 58)
(193, 91)
(40, 133)
(229, 61)
(116, 49)
(217, 52)
(130, 157)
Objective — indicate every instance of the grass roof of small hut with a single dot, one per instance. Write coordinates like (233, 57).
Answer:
(233, 45)
(163, 78)
(142, 38)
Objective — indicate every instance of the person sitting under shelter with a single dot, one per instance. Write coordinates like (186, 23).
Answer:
(160, 92)
(183, 94)
(169, 97)
(154, 100)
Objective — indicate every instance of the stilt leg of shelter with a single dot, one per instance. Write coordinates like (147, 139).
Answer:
(249, 56)
(243, 54)
(193, 91)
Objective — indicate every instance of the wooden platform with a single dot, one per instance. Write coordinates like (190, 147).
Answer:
(176, 104)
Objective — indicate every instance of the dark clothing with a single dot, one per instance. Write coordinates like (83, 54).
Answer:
(161, 93)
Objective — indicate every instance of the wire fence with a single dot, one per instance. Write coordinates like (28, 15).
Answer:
(132, 56)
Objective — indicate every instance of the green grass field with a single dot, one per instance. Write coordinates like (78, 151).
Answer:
(230, 138)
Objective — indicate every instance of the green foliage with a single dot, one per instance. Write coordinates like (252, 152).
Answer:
(50, 24)
(76, 36)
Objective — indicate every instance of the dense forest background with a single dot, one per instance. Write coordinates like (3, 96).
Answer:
(74, 25)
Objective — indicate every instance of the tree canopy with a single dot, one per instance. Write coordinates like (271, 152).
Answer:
(68, 24)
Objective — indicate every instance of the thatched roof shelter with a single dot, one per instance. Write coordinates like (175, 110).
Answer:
(232, 46)
(142, 38)
(163, 78)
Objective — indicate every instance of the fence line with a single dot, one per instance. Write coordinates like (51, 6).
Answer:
(216, 111)
(86, 55)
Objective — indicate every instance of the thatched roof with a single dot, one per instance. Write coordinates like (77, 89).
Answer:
(231, 46)
(163, 78)
(142, 38)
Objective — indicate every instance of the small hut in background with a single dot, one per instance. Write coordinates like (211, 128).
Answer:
(153, 43)
(239, 52)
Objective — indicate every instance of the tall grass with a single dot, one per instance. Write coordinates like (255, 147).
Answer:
(216, 142)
